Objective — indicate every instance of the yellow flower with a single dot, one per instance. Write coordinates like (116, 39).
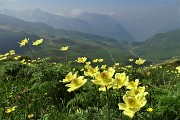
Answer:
(81, 60)
(12, 52)
(30, 116)
(150, 109)
(100, 60)
(23, 42)
(129, 66)
(130, 60)
(6, 54)
(148, 73)
(23, 61)
(88, 63)
(91, 71)
(76, 83)
(64, 48)
(103, 67)
(116, 64)
(103, 88)
(178, 68)
(37, 42)
(140, 61)
(132, 104)
(79, 110)
(104, 78)
(160, 66)
(130, 112)
(95, 60)
(13, 108)
(120, 80)
(69, 77)
(8, 110)
(134, 92)
(3, 58)
(17, 57)
(133, 85)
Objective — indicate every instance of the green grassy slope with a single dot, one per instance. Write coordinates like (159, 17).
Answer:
(162, 46)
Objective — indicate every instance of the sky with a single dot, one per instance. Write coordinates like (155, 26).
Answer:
(75, 7)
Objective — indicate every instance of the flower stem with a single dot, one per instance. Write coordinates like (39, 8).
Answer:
(120, 99)
(107, 95)
(43, 54)
(31, 51)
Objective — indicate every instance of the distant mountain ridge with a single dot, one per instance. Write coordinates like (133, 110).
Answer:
(102, 25)
(13, 30)
(161, 46)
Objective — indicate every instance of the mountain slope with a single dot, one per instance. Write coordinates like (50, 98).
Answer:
(106, 26)
(102, 25)
(161, 46)
(13, 30)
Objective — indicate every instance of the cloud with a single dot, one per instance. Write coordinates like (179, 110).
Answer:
(75, 12)
(59, 13)
(111, 13)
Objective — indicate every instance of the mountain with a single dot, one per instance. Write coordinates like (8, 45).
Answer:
(13, 30)
(105, 25)
(102, 25)
(144, 23)
(160, 47)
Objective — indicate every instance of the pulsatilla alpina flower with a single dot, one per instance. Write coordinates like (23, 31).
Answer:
(103, 66)
(24, 42)
(132, 104)
(64, 48)
(104, 79)
(139, 90)
(91, 71)
(178, 68)
(76, 83)
(30, 116)
(95, 60)
(12, 52)
(100, 60)
(120, 80)
(150, 109)
(38, 42)
(69, 77)
(81, 60)
(9, 110)
(133, 85)
(140, 61)
(130, 60)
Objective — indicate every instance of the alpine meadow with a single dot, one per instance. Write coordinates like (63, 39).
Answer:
(89, 60)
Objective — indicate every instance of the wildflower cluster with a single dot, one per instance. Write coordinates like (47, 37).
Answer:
(134, 99)
(106, 78)
(5, 56)
(11, 109)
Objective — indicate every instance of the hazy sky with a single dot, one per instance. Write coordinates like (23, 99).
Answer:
(73, 7)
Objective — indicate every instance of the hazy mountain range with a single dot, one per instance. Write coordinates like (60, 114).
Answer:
(13, 30)
(126, 26)
(145, 23)
(163, 45)
(93, 23)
